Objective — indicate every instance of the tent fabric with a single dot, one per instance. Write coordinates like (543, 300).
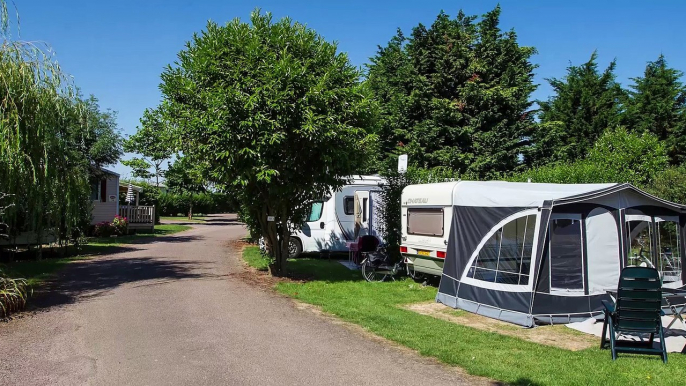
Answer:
(576, 254)
(519, 194)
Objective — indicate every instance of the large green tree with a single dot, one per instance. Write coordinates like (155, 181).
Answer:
(185, 179)
(455, 94)
(585, 103)
(155, 142)
(99, 137)
(657, 104)
(272, 108)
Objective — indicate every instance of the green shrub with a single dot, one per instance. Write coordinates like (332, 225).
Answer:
(670, 184)
(13, 294)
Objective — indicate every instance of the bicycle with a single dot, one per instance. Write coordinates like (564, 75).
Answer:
(377, 266)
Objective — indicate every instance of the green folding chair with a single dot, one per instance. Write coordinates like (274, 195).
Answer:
(637, 310)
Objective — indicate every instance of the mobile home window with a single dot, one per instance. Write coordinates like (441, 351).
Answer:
(566, 259)
(349, 205)
(425, 221)
(506, 256)
(95, 191)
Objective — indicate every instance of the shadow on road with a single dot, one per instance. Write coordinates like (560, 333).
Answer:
(93, 278)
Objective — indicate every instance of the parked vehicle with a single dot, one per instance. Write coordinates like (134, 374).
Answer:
(341, 217)
(426, 215)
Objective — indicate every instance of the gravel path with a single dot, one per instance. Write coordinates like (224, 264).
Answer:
(170, 311)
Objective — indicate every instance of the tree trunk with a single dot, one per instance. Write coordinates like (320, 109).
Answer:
(190, 212)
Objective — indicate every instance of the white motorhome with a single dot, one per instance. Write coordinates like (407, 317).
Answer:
(426, 215)
(343, 216)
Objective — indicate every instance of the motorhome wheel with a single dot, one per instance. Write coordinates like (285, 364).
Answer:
(295, 248)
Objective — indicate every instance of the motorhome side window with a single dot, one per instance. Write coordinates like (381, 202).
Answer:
(349, 205)
(315, 211)
(425, 221)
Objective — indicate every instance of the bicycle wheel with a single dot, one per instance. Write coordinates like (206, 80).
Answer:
(370, 272)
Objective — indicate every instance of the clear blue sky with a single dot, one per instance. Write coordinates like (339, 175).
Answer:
(117, 50)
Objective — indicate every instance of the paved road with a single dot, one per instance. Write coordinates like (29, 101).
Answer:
(170, 312)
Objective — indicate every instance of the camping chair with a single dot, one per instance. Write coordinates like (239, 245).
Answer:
(637, 311)
(366, 244)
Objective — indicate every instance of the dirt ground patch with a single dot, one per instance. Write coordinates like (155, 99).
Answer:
(557, 336)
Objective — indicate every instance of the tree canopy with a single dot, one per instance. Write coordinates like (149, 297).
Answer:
(273, 108)
(585, 103)
(657, 104)
(455, 94)
(154, 141)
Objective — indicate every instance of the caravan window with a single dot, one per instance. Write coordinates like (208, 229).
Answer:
(566, 254)
(425, 221)
(506, 256)
(349, 205)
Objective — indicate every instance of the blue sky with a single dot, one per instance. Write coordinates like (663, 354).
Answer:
(117, 50)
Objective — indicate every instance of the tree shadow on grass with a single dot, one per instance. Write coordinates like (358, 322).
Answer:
(318, 269)
(519, 382)
(88, 279)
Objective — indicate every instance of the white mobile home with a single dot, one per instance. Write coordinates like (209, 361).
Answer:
(105, 196)
(105, 190)
(341, 217)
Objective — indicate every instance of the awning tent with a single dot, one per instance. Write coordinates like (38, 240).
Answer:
(533, 253)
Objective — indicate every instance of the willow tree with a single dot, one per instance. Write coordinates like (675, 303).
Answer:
(50, 138)
(272, 108)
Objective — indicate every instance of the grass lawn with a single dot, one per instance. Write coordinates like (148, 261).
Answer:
(35, 272)
(378, 308)
(254, 258)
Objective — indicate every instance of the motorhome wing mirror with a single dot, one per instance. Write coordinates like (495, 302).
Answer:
(321, 225)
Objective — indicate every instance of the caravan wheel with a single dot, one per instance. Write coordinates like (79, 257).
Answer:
(295, 248)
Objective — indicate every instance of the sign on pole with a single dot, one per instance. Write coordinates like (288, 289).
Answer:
(402, 163)
(270, 218)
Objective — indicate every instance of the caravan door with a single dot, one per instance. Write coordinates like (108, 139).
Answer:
(361, 213)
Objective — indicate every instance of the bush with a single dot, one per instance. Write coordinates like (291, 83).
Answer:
(670, 184)
(13, 294)
(171, 204)
(103, 229)
(118, 227)
(618, 156)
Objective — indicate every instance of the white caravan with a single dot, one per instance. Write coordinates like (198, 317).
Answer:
(427, 211)
(350, 212)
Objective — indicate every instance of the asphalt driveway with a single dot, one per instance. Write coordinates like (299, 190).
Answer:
(170, 311)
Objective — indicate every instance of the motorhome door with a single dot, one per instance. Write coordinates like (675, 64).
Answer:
(361, 213)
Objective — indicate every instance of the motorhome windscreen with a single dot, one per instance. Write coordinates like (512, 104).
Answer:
(425, 221)
(315, 211)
